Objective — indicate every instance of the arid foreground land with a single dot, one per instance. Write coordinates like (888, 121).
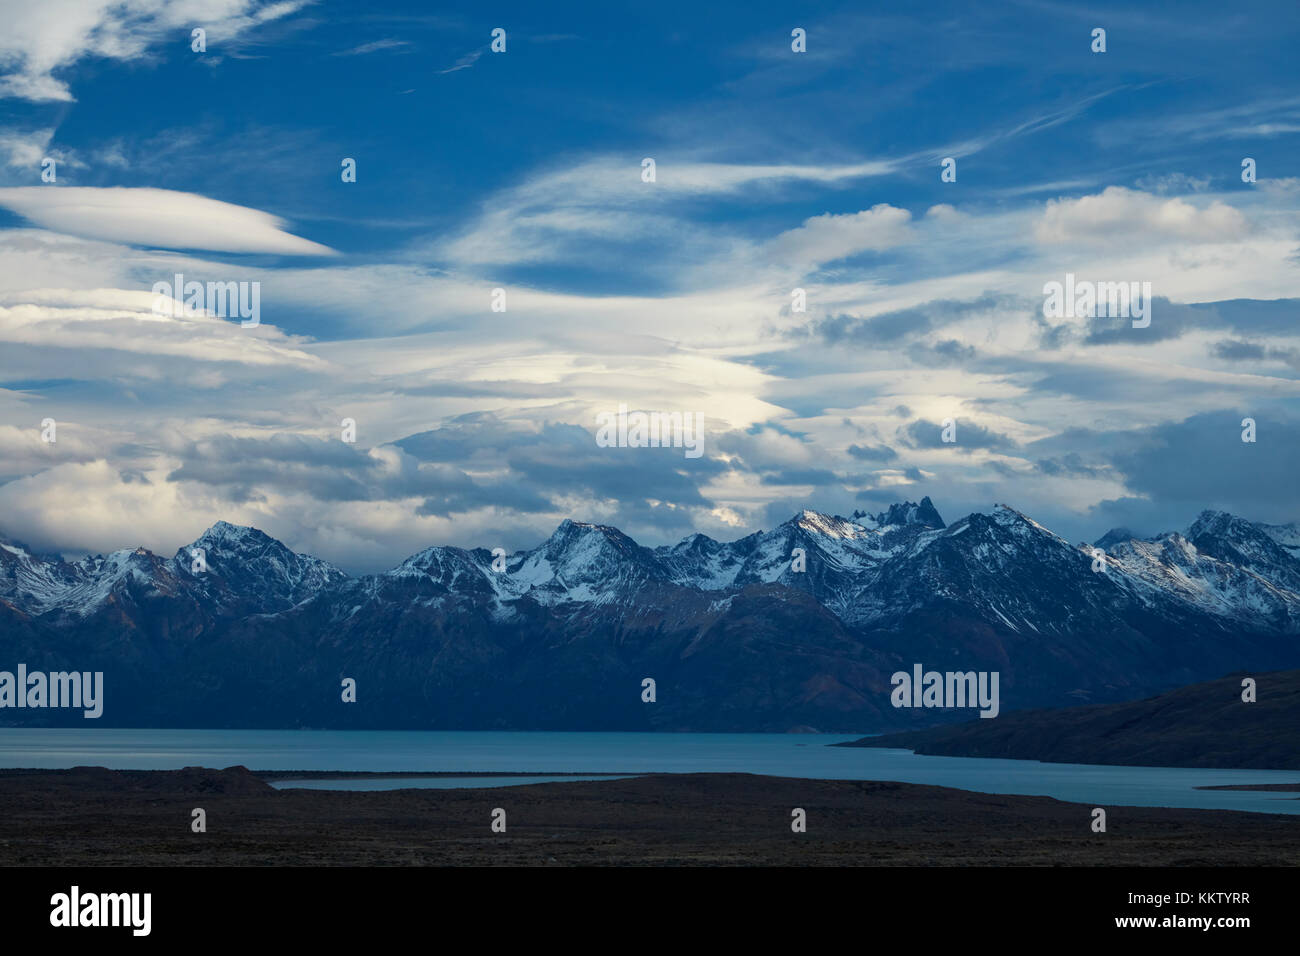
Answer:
(97, 817)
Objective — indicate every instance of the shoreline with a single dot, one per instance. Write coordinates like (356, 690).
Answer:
(92, 816)
(385, 774)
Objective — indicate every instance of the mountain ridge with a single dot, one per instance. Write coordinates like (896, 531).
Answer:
(1205, 724)
(800, 625)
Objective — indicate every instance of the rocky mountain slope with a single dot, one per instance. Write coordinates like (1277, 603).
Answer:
(1202, 725)
(796, 627)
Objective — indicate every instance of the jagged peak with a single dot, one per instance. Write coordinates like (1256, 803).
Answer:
(1009, 517)
(121, 561)
(234, 551)
(224, 531)
(1113, 537)
(569, 530)
(921, 513)
(439, 550)
(831, 526)
(570, 525)
(1005, 514)
(692, 542)
(440, 558)
(575, 544)
(1217, 522)
(23, 550)
(1248, 543)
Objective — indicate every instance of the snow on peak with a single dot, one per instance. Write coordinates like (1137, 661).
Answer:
(1113, 537)
(225, 535)
(1216, 523)
(903, 513)
(832, 526)
(693, 542)
(1225, 564)
(1286, 535)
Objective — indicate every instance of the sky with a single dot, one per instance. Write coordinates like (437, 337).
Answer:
(522, 170)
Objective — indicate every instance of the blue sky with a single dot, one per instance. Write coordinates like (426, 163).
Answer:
(522, 170)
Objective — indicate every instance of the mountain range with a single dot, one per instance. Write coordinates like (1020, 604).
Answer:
(795, 628)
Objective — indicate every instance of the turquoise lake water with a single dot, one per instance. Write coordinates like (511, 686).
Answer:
(540, 754)
(431, 783)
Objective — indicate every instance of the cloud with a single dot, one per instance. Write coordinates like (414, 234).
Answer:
(886, 328)
(828, 238)
(374, 47)
(1120, 214)
(22, 450)
(25, 149)
(80, 329)
(1172, 320)
(40, 39)
(245, 468)
(1175, 320)
(1201, 462)
(1234, 350)
(897, 327)
(881, 453)
(576, 211)
(464, 63)
(1249, 120)
(561, 460)
(1173, 183)
(1280, 184)
(1071, 465)
(969, 436)
(156, 217)
(946, 352)
(91, 506)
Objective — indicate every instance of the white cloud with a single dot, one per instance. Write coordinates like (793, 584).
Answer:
(84, 506)
(826, 238)
(26, 148)
(945, 213)
(557, 357)
(1284, 184)
(464, 63)
(1173, 183)
(604, 198)
(118, 320)
(23, 451)
(387, 43)
(1125, 214)
(156, 217)
(41, 38)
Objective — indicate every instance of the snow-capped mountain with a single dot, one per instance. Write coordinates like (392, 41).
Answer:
(1251, 547)
(246, 568)
(829, 556)
(30, 580)
(797, 626)
(243, 570)
(584, 563)
(1224, 566)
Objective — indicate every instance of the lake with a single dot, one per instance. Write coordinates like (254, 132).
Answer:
(542, 754)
